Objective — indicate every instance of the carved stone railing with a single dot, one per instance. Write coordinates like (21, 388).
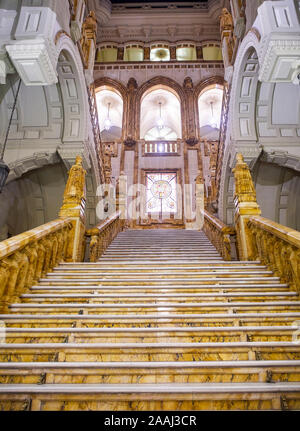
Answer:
(96, 130)
(103, 234)
(222, 139)
(220, 235)
(161, 148)
(276, 246)
(29, 256)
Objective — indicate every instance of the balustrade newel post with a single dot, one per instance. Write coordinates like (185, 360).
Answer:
(246, 206)
(73, 208)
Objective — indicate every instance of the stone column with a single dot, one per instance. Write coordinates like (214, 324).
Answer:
(172, 53)
(131, 132)
(146, 53)
(120, 54)
(199, 52)
(190, 111)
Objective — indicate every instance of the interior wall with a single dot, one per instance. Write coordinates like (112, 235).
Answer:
(278, 193)
(32, 200)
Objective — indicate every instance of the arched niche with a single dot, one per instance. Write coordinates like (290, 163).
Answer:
(210, 110)
(107, 53)
(118, 88)
(49, 128)
(169, 85)
(110, 112)
(134, 52)
(263, 122)
(37, 196)
(160, 114)
(212, 51)
(278, 193)
(159, 51)
(186, 52)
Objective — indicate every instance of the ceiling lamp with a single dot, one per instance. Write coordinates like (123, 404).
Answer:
(162, 54)
(107, 122)
(213, 121)
(160, 122)
(4, 169)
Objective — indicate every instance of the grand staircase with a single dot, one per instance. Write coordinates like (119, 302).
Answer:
(161, 322)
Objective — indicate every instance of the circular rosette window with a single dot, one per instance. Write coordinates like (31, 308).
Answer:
(161, 189)
(161, 192)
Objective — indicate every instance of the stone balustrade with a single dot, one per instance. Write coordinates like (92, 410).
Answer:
(27, 257)
(103, 234)
(220, 235)
(276, 246)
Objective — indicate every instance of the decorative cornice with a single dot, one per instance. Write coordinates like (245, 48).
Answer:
(35, 60)
(282, 158)
(35, 161)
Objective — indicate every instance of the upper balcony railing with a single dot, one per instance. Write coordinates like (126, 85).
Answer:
(162, 148)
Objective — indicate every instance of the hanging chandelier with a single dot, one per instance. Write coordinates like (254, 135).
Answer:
(107, 122)
(213, 121)
(160, 122)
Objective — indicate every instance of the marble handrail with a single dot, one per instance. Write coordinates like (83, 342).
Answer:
(219, 234)
(103, 234)
(276, 246)
(29, 256)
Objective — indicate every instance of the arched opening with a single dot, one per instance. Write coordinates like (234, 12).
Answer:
(186, 52)
(160, 115)
(212, 52)
(47, 118)
(160, 52)
(110, 111)
(210, 109)
(134, 52)
(107, 53)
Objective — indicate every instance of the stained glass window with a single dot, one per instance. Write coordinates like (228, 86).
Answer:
(161, 192)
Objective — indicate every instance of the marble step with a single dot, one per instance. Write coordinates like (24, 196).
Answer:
(150, 335)
(151, 397)
(148, 388)
(150, 321)
(171, 273)
(154, 259)
(162, 330)
(173, 255)
(149, 372)
(161, 252)
(158, 268)
(171, 297)
(167, 308)
(165, 244)
(160, 282)
(131, 263)
(168, 290)
(162, 351)
(164, 249)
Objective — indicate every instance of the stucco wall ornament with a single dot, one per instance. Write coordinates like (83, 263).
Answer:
(129, 142)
